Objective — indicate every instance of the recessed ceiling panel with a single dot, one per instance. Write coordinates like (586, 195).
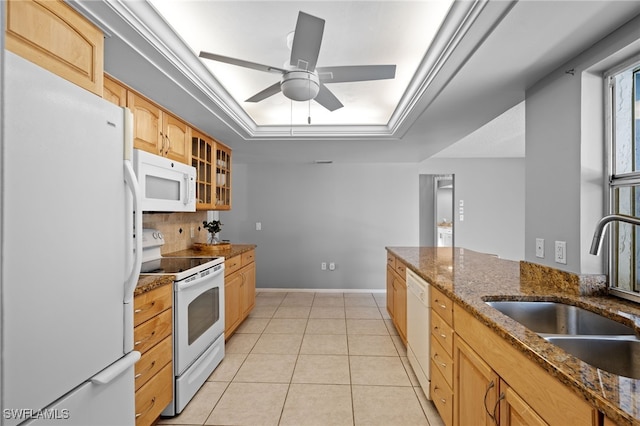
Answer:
(355, 33)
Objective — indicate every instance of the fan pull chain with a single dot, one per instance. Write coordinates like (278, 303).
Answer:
(309, 86)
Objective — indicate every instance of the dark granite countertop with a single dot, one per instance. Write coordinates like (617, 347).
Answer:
(470, 279)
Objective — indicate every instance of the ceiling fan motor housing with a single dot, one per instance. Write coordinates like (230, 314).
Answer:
(300, 85)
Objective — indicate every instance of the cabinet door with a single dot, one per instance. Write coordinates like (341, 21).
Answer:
(223, 177)
(114, 92)
(177, 139)
(232, 299)
(248, 289)
(54, 36)
(400, 306)
(390, 292)
(202, 159)
(476, 388)
(514, 411)
(147, 128)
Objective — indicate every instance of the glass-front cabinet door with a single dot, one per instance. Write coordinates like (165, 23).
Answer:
(223, 177)
(212, 161)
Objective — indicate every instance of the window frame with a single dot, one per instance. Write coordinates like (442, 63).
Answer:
(616, 181)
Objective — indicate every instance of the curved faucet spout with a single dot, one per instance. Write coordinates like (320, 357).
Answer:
(597, 236)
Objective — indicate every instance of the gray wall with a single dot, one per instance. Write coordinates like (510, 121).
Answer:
(565, 146)
(493, 193)
(310, 213)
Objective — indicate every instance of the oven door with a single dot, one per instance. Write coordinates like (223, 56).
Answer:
(199, 315)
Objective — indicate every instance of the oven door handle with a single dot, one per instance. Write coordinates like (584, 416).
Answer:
(190, 285)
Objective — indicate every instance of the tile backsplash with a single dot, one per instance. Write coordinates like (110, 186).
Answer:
(176, 228)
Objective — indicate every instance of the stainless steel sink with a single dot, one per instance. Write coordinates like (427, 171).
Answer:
(619, 356)
(559, 318)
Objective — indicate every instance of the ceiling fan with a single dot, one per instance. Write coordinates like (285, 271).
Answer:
(302, 80)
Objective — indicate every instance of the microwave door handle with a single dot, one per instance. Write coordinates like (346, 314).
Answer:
(188, 188)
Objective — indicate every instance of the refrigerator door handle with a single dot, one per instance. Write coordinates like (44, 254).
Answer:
(132, 279)
(115, 369)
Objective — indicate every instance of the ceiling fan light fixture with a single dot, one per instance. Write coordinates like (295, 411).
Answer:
(300, 85)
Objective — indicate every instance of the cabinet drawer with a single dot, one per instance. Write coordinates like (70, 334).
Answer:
(149, 333)
(152, 361)
(153, 397)
(442, 333)
(232, 264)
(391, 261)
(442, 397)
(442, 361)
(401, 269)
(151, 303)
(442, 305)
(248, 257)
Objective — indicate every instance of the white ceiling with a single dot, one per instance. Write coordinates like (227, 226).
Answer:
(355, 33)
(480, 65)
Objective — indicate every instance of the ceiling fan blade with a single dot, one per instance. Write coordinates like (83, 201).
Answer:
(241, 63)
(269, 91)
(356, 73)
(327, 99)
(307, 39)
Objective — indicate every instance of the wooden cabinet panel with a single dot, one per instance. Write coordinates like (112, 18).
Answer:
(147, 128)
(232, 308)
(442, 305)
(400, 306)
(177, 138)
(476, 387)
(149, 333)
(56, 37)
(153, 361)
(442, 397)
(248, 257)
(248, 288)
(152, 336)
(514, 411)
(442, 332)
(547, 396)
(390, 275)
(232, 264)
(154, 396)
(442, 361)
(114, 92)
(151, 303)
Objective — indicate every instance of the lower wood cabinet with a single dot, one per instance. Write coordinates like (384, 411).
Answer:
(495, 379)
(153, 324)
(397, 294)
(239, 290)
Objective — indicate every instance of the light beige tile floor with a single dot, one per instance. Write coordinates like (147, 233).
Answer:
(304, 358)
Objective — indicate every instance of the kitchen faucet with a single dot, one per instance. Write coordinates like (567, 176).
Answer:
(597, 236)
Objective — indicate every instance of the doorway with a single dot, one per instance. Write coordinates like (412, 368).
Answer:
(436, 210)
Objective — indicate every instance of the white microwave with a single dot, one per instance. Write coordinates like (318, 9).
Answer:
(165, 185)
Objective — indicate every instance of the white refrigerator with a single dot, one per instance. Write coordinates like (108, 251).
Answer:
(68, 264)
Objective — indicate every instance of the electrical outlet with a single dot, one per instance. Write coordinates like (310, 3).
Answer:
(561, 252)
(332, 266)
(258, 226)
(540, 247)
(323, 266)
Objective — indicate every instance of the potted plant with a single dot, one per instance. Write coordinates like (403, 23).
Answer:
(213, 227)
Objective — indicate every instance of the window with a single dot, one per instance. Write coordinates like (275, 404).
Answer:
(624, 177)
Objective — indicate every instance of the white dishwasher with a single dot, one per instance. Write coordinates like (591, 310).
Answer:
(418, 328)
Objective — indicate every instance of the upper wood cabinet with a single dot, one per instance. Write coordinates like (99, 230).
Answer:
(223, 177)
(202, 158)
(114, 92)
(54, 36)
(158, 132)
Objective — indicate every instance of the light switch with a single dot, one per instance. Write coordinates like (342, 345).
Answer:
(258, 226)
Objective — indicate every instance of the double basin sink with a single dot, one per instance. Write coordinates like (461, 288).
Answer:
(597, 340)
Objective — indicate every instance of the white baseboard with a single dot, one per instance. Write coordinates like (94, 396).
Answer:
(321, 290)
